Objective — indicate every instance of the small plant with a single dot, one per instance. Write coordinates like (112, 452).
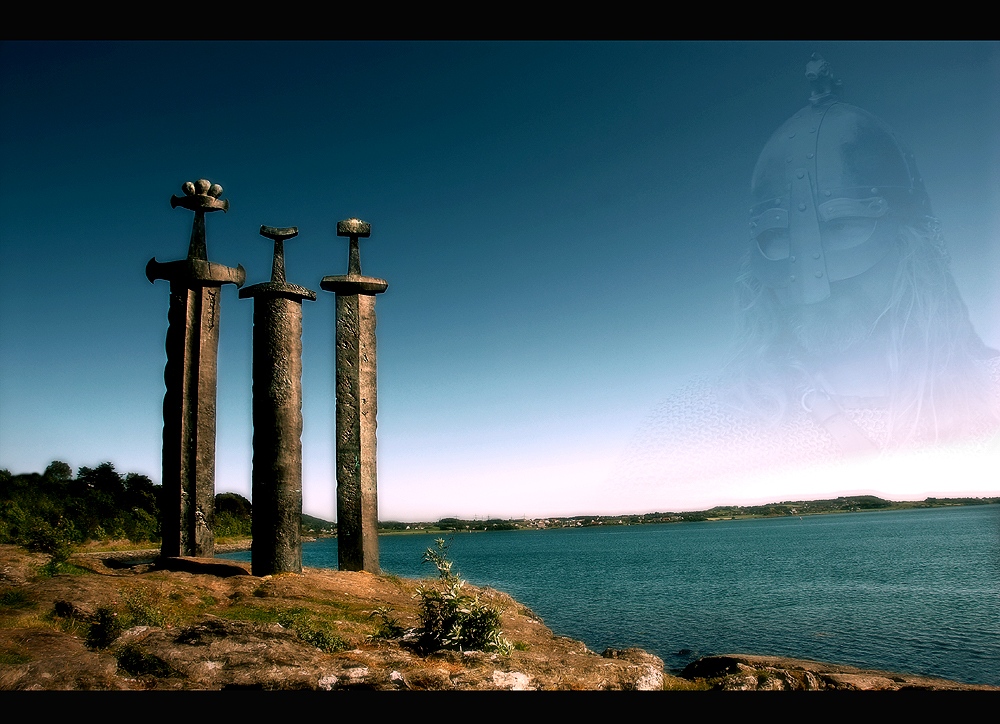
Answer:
(56, 541)
(105, 629)
(137, 608)
(452, 619)
(140, 609)
(387, 626)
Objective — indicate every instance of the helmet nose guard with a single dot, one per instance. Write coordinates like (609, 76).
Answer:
(831, 161)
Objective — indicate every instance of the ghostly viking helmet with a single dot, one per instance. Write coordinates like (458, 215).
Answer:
(831, 190)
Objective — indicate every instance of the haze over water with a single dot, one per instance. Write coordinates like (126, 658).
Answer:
(912, 591)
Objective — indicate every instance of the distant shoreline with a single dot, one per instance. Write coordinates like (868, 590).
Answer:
(844, 504)
(450, 526)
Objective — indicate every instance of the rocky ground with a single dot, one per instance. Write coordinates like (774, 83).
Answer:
(208, 624)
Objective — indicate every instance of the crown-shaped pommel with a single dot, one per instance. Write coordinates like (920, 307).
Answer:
(202, 195)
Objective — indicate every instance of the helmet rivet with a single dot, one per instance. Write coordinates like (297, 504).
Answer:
(792, 134)
(802, 207)
(812, 130)
(791, 259)
(800, 174)
(827, 193)
(874, 191)
(788, 160)
(791, 278)
(816, 255)
(810, 155)
(819, 274)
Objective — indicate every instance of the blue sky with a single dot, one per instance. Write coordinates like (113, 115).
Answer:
(559, 223)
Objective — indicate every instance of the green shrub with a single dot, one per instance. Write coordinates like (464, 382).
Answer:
(322, 638)
(54, 540)
(452, 619)
(137, 663)
(105, 629)
(140, 609)
(387, 626)
(137, 608)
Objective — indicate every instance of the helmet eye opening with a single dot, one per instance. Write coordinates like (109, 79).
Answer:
(774, 244)
(847, 232)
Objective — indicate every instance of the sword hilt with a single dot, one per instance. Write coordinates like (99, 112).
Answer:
(201, 197)
(354, 229)
(278, 236)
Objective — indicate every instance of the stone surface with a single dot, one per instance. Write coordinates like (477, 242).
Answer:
(745, 672)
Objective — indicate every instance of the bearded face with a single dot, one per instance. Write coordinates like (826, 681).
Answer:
(849, 316)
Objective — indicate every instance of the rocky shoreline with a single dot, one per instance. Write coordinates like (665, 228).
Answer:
(208, 624)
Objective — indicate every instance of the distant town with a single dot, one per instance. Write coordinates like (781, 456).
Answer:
(849, 504)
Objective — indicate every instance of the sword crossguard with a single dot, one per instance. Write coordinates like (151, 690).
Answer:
(276, 234)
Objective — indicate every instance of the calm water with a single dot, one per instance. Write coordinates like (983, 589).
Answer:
(914, 591)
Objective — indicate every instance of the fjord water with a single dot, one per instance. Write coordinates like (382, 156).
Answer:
(914, 591)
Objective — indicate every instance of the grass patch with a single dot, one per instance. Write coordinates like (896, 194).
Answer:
(251, 614)
(141, 608)
(115, 545)
(54, 567)
(12, 599)
(13, 657)
(675, 683)
(340, 611)
(319, 634)
(309, 627)
(136, 607)
(132, 660)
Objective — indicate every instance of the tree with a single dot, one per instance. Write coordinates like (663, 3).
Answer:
(58, 472)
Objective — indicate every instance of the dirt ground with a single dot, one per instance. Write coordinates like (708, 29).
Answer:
(208, 624)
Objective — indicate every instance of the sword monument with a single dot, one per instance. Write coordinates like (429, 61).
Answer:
(357, 497)
(277, 415)
(188, 508)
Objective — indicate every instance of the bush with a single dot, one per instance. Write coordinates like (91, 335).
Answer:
(56, 541)
(105, 629)
(452, 619)
(137, 608)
